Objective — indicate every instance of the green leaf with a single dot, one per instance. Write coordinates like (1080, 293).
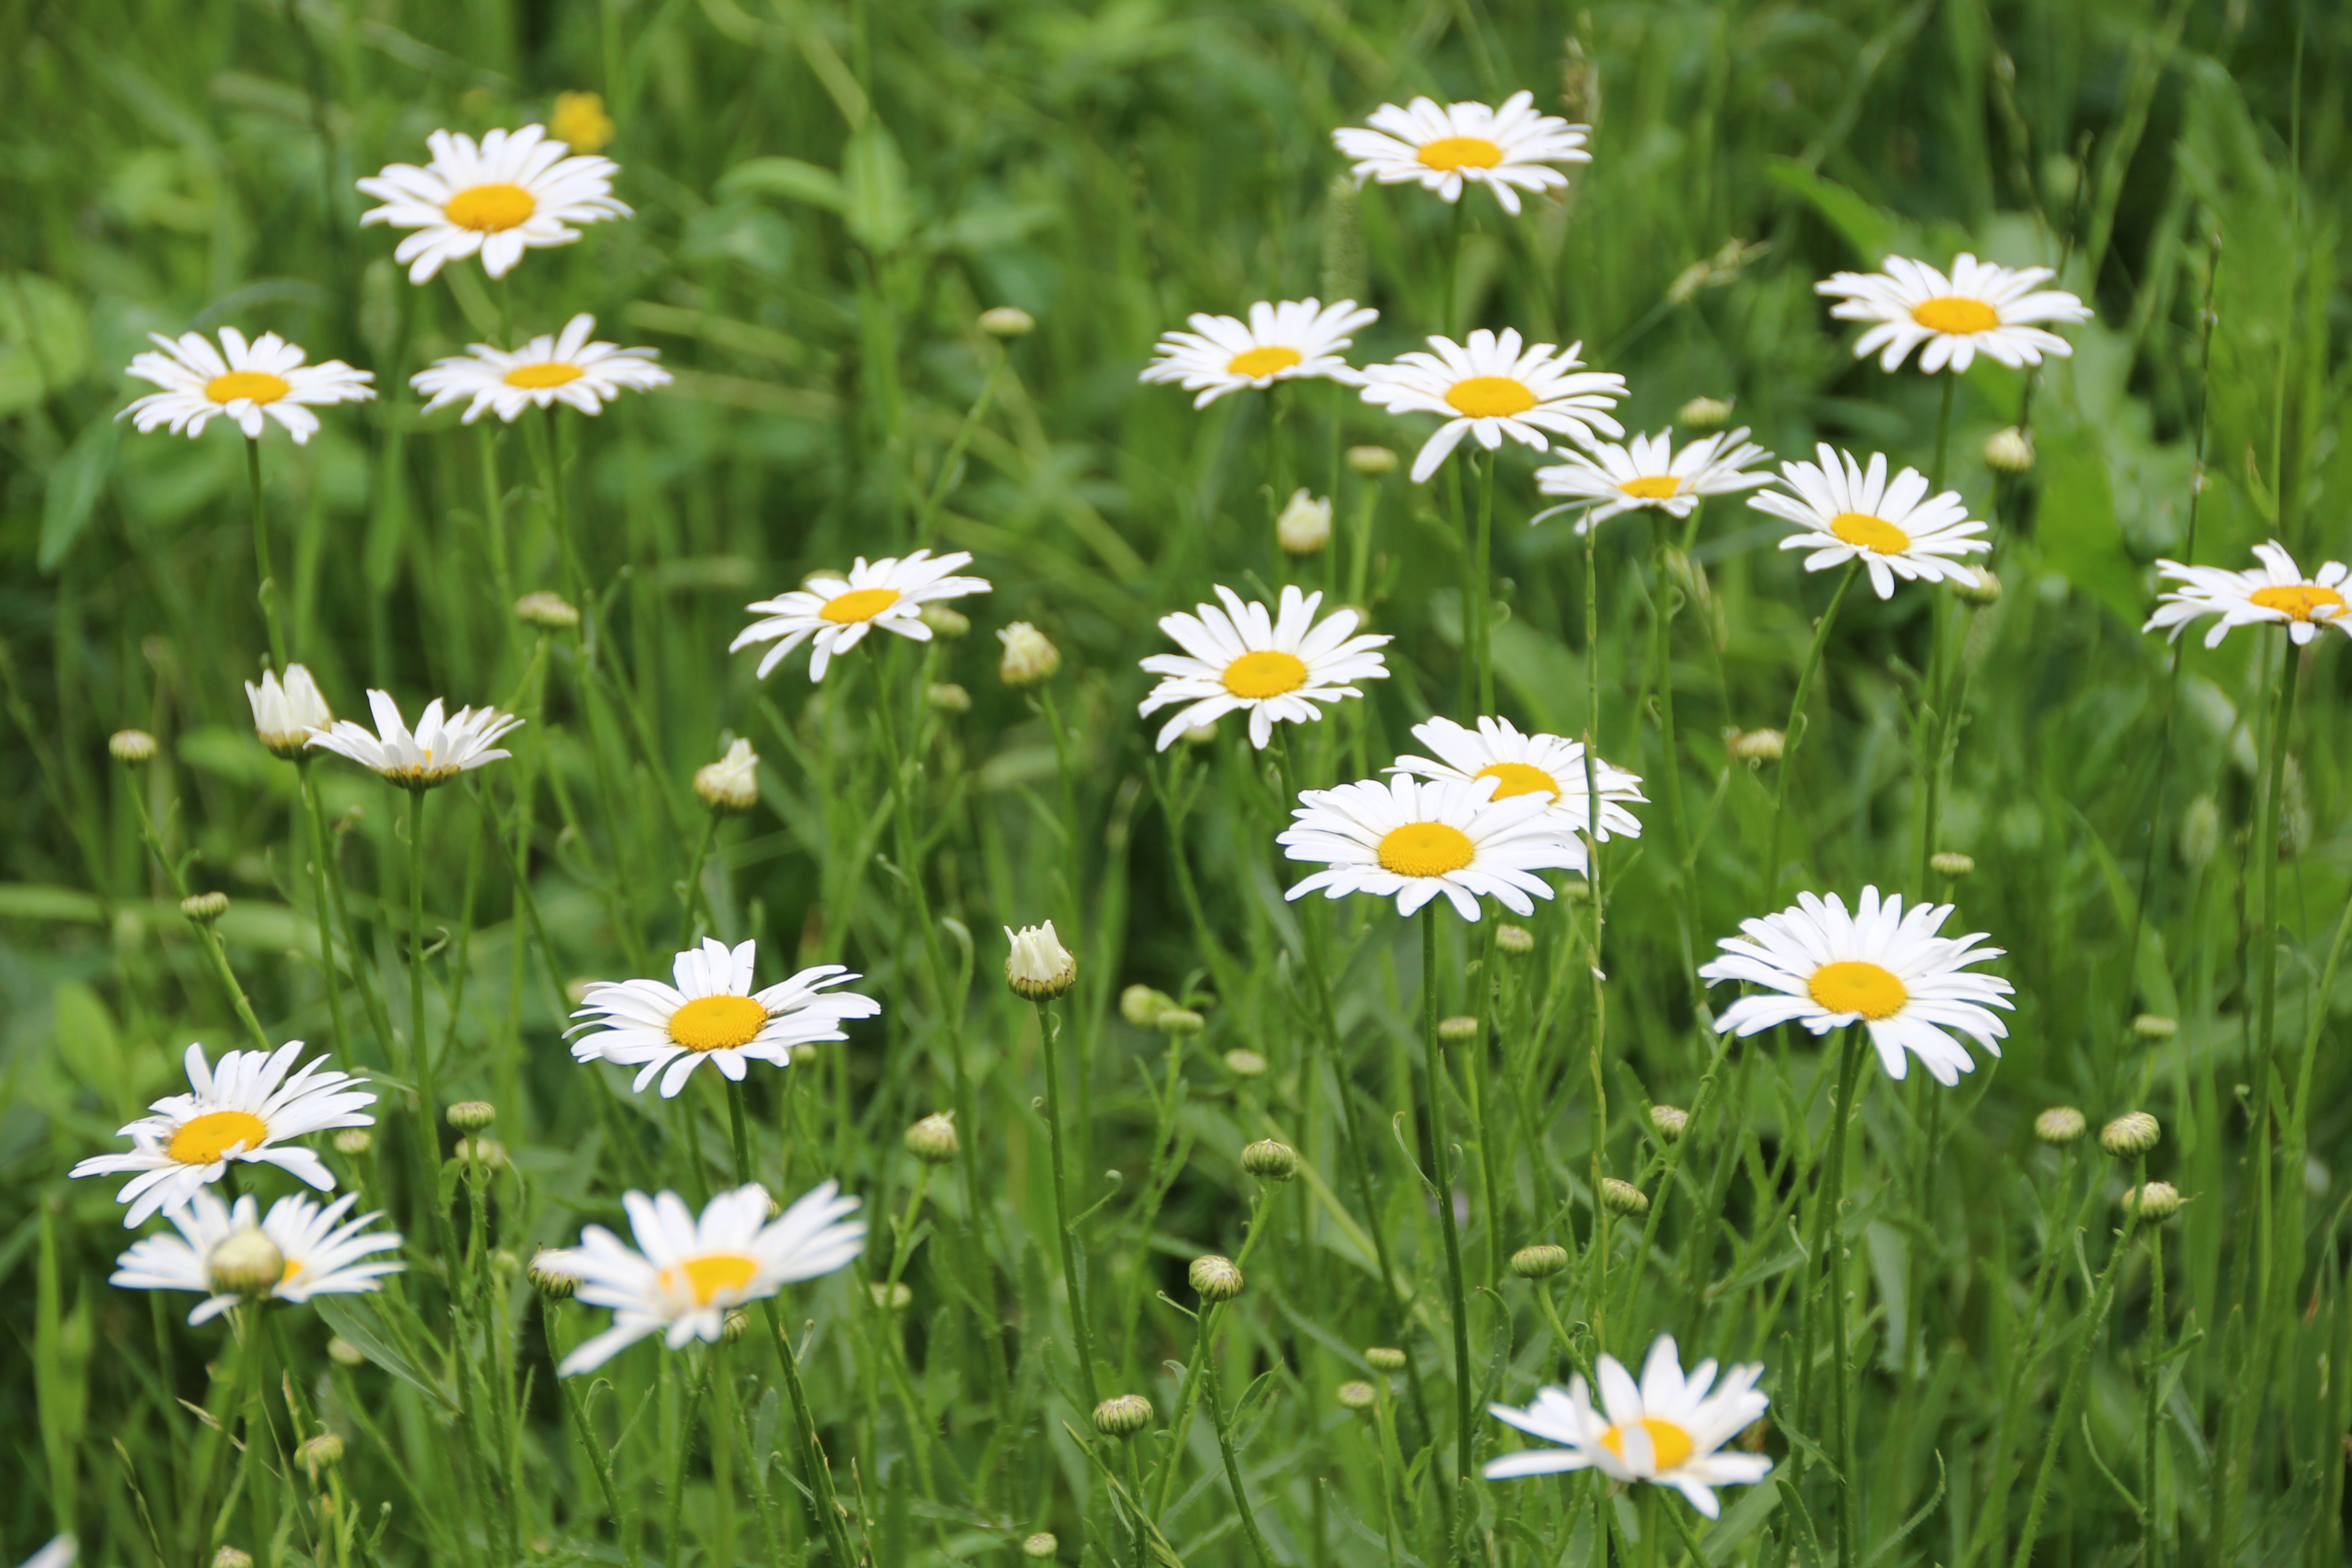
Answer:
(1870, 230)
(88, 1045)
(44, 340)
(878, 206)
(75, 483)
(357, 1323)
(787, 177)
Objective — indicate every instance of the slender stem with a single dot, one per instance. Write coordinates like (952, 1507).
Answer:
(1234, 1466)
(1943, 434)
(320, 911)
(1670, 760)
(820, 1474)
(696, 904)
(264, 582)
(1457, 1297)
(2070, 1398)
(1482, 585)
(420, 1045)
(945, 479)
(1070, 1278)
(741, 1136)
(1597, 1255)
(207, 934)
(1794, 731)
(1829, 1247)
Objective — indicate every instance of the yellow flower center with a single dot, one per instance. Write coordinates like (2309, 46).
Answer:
(1518, 778)
(2301, 601)
(858, 604)
(205, 1139)
(1266, 361)
(1867, 532)
(1659, 487)
(1271, 673)
(1956, 316)
(1459, 153)
(712, 1273)
(1426, 849)
(486, 209)
(256, 386)
(531, 377)
(1669, 1442)
(1857, 986)
(1490, 398)
(718, 1023)
(293, 1266)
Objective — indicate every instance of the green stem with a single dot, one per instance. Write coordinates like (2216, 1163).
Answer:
(1829, 1247)
(1233, 1467)
(696, 904)
(1070, 1279)
(1794, 731)
(2070, 1399)
(266, 582)
(207, 934)
(420, 1046)
(820, 1474)
(1598, 1253)
(1457, 1297)
(320, 913)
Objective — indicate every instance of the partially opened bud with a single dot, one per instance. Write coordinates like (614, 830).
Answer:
(1704, 414)
(1039, 968)
(286, 714)
(1977, 586)
(2010, 450)
(1029, 656)
(730, 786)
(324, 1452)
(1008, 322)
(934, 1138)
(1305, 525)
(131, 747)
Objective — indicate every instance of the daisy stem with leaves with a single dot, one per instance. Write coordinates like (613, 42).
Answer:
(1829, 1249)
(1441, 1182)
(1795, 731)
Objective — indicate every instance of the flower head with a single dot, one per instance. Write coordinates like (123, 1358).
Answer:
(1029, 656)
(1414, 839)
(712, 1013)
(1039, 967)
(2276, 591)
(1442, 148)
(1647, 471)
(310, 1249)
(1273, 667)
(513, 192)
(1487, 388)
(437, 751)
(1546, 766)
(580, 121)
(1303, 526)
(1980, 308)
(286, 714)
(838, 612)
(1280, 341)
(549, 368)
(240, 382)
(732, 783)
(1847, 513)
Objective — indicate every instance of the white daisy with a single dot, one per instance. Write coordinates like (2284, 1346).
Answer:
(2276, 592)
(1440, 148)
(1845, 512)
(685, 1275)
(243, 1109)
(1668, 1430)
(1489, 389)
(286, 714)
(1277, 667)
(1980, 307)
(1545, 765)
(712, 1013)
(890, 594)
(1416, 840)
(439, 751)
(317, 1252)
(1880, 966)
(547, 369)
(1279, 343)
(515, 190)
(240, 382)
(1648, 472)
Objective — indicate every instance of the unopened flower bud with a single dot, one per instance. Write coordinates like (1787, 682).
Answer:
(1305, 525)
(1671, 1120)
(554, 1272)
(1540, 1261)
(232, 1557)
(2155, 1026)
(2156, 1201)
(1623, 1197)
(1458, 1028)
(1951, 863)
(1243, 1062)
(2132, 1133)
(2201, 832)
(1758, 745)
(470, 1115)
(1704, 414)
(892, 1295)
(205, 908)
(354, 1140)
(1269, 1160)
(1123, 1416)
(730, 786)
(1008, 322)
(1141, 1005)
(1384, 1358)
(286, 714)
(1517, 941)
(1199, 735)
(131, 747)
(342, 1352)
(2059, 1124)
(934, 1138)
(732, 1327)
(1355, 1396)
(245, 1263)
(1977, 586)
(1039, 968)
(1180, 1021)
(1372, 462)
(945, 620)
(548, 612)
(947, 697)
(1216, 1278)
(324, 1452)
(2009, 451)
(1029, 656)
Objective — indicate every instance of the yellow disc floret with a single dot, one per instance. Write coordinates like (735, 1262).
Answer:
(718, 1023)
(1269, 673)
(1657, 486)
(708, 1275)
(201, 1139)
(1490, 398)
(253, 385)
(1255, 362)
(1518, 778)
(858, 604)
(1867, 532)
(1459, 153)
(1955, 316)
(534, 377)
(487, 209)
(2300, 601)
(1858, 986)
(1426, 849)
(1668, 1442)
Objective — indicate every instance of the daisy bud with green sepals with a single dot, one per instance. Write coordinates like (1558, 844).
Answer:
(505, 1264)
(1029, 656)
(1216, 1278)
(354, 1140)
(1270, 1160)
(2132, 1133)
(891, 1295)
(1951, 863)
(1753, 746)
(321, 1453)
(1517, 942)
(1540, 1261)
(1040, 1545)
(205, 908)
(470, 1115)
(1671, 1121)
(1456, 1029)
(934, 1138)
(2156, 1201)
(1977, 586)
(554, 1272)
(1142, 1006)
(946, 620)
(1039, 968)
(245, 1263)
(1355, 1396)
(1180, 1021)
(1007, 321)
(2009, 451)
(131, 747)
(947, 697)
(1303, 526)
(1384, 1358)
(232, 1557)
(1244, 1063)
(288, 712)
(344, 1354)
(1372, 462)
(736, 1324)
(548, 612)
(1623, 1197)
(2059, 1124)
(2155, 1026)
(730, 786)
(1123, 1416)
(1704, 414)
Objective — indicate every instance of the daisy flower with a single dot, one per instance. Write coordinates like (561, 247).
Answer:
(1275, 667)
(685, 1274)
(1668, 1430)
(240, 382)
(890, 594)
(1847, 513)
(222, 1252)
(2276, 591)
(1439, 148)
(1648, 472)
(242, 1109)
(287, 714)
(1489, 389)
(1545, 765)
(1881, 966)
(1980, 307)
(1418, 838)
(1295, 338)
(712, 1013)
(436, 751)
(547, 370)
(515, 191)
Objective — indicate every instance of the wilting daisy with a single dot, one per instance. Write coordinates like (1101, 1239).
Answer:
(243, 1109)
(1488, 388)
(890, 594)
(286, 714)
(1414, 840)
(1668, 1430)
(1440, 148)
(436, 751)
(685, 1274)
(1845, 512)
(300, 1250)
(1285, 342)
(240, 382)
(712, 1013)
(1275, 667)
(515, 191)
(1881, 966)
(1648, 472)
(2276, 592)
(1545, 765)
(547, 370)
(1979, 308)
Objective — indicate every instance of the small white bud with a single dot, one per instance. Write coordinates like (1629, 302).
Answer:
(285, 713)
(1007, 321)
(1305, 525)
(731, 785)
(1029, 656)
(1039, 968)
(2009, 451)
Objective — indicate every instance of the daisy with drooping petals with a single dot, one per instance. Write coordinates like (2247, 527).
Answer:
(1980, 308)
(1285, 342)
(1881, 966)
(1488, 388)
(712, 1013)
(286, 715)
(1847, 513)
(515, 191)
(890, 594)
(243, 1109)
(1668, 1429)
(1545, 765)
(547, 370)
(1647, 471)
(685, 1274)
(1414, 840)
(300, 1250)
(2275, 591)
(437, 751)
(240, 382)
(1275, 667)
(1441, 148)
